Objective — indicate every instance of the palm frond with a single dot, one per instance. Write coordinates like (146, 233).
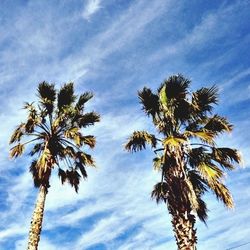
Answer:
(210, 172)
(83, 99)
(160, 192)
(222, 193)
(218, 124)
(85, 159)
(73, 178)
(66, 95)
(137, 141)
(149, 101)
(17, 134)
(17, 150)
(157, 163)
(226, 157)
(88, 119)
(205, 136)
(174, 141)
(204, 99)
(34, 172)
(62, 175)
(47, 95)
(175, 87)
(89, 140)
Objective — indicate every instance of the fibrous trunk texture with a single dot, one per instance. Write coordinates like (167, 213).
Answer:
(185, 233)
(37, 219)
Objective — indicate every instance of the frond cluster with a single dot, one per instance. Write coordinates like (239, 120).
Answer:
(55, 125)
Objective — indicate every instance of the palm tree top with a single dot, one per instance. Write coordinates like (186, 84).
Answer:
(187, 129)
(54, 126)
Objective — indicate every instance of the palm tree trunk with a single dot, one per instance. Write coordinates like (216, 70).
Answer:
(37, 219)
(185, 233)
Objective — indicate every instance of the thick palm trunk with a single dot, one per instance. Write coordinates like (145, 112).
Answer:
(185, 233)
(37, 219)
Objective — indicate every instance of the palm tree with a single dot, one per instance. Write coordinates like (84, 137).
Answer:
(186, 154)
(54, 127)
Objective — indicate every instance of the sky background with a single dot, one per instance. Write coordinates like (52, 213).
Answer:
(114, 48)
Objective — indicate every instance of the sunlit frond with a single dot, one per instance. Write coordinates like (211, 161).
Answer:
(137, 141)
(174, 141)
(17, 150)
(203, 135)
(222, 193)
(209, 171)
(88, 140)
(17, 134)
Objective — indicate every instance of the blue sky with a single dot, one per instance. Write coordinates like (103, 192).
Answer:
(114, 48)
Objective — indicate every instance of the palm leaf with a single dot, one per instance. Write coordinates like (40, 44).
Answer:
(218, 124)
(88, 119)
(149, 101)
(17, 134)
(83, 99)
(17, 150)
(204, 135)
(138, 140)
(47, 94)
(157, 163)
(65, 96)
(160, 192)
(174, 141)
(88, 140)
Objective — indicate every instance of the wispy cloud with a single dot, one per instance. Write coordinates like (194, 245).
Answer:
(91, 7)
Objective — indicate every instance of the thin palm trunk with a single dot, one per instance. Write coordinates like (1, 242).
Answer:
(37, 219)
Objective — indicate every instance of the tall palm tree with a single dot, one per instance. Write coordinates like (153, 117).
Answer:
(186, 154)
(54, 128)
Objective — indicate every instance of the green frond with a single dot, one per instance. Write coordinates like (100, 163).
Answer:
(88, 119)
(88, 140)
(149, 101)
(138, 140)
(218, 124)
(174, 141)
(17, 134)
(83, 99)
(17, 150)
(66, 96)
(160, 192)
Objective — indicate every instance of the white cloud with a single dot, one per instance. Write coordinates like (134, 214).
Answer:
(92, 6)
